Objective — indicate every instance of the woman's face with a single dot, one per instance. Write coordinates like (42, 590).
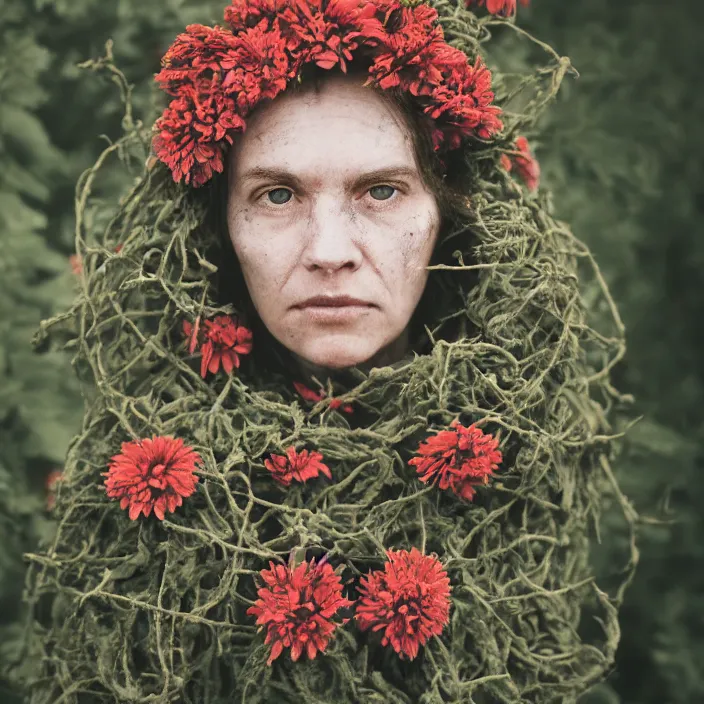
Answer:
(325, 199)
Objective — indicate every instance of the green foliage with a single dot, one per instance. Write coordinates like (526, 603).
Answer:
(40, 407)
(622, 152)
(34, 280)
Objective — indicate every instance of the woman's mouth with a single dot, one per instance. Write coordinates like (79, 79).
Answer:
(335, 314)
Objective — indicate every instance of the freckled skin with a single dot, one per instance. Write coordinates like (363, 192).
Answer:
(330, 233)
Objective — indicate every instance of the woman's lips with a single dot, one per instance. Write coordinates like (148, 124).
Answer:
(335, 314)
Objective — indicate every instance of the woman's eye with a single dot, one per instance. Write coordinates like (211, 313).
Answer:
(279, 196)
(382, 192)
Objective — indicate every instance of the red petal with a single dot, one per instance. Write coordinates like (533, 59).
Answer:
(275, 651)
(227, 362)
(215, 362)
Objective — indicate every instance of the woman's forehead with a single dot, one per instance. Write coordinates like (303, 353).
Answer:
(316, 162)
(344, 124)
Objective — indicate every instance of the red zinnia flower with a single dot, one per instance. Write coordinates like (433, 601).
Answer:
(297, 606)
(409, 599)
(54, 476)
(315, 396)
(526, 164)
(408, 48)
(191, 132)
(152, 474)
(242, 14)
(461, 459)
(259, 68)
(196, 53)
(76, 264)
(502, 8)
(221, 340)
(299, 466)
(462, 102)
(327, 32)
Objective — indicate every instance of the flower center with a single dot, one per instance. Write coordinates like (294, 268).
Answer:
(157, 480)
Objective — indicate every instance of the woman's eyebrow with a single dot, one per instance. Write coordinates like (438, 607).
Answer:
(281, 175)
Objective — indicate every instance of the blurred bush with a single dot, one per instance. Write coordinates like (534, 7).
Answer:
(622, 151)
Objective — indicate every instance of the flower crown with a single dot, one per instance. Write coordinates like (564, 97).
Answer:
(217, 75)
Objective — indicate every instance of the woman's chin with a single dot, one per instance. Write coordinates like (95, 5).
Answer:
(333, 355)
(336, 362)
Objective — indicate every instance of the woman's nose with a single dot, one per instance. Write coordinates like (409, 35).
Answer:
(332, 238)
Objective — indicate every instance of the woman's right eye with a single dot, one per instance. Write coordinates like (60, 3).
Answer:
(279, 196)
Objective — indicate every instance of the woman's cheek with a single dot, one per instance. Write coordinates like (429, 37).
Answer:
(251, 238)
(418, 245)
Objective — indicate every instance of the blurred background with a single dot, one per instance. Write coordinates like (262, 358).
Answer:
(622, 149)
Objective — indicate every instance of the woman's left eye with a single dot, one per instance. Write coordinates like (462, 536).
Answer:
(281, 192)
(384, 192)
